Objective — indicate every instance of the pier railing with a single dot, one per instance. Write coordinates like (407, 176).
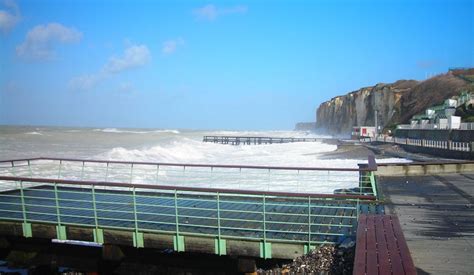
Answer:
(93, 194)
(440, 144)
(249, 140)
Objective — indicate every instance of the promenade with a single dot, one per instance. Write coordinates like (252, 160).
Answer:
(437, 217)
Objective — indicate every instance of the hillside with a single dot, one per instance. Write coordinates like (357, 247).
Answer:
(395, 102)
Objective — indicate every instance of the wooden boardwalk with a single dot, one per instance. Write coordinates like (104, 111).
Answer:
(437, 217)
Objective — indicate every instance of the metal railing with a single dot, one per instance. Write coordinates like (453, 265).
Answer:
(248, 140)
(431, 126)
(440, 144)
(65, 195)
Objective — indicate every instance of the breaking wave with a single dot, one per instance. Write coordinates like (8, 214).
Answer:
(115, 130)
(34, 133)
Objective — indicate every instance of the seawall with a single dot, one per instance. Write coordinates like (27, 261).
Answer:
(424, 168)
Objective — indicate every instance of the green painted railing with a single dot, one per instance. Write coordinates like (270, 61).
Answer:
(65, 195)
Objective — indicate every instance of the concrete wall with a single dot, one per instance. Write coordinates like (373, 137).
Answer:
(439, 152)
(421, 168)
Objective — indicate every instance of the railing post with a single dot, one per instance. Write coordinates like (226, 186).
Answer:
(29, 169)
(220, 244)
(373, 184)
(137, 236)
(27, 232)
(357, 208)
(60, 230)
(98, 233)
(309, 247)
(107, 172)
(178, 241)
(59, 170)
(82, 170)
(157, 173)
(265, 247)
(131, 173)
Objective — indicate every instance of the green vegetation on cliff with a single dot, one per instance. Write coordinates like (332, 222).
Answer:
(395, 102)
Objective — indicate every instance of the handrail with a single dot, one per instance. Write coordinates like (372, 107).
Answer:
(371, 167)
(244, 137)
(427, 163)
(183, 188)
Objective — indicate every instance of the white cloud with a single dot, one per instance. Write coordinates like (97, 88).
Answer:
(211, 12)
(134, 56)
(41, 41)
(10, 16)
(171, 45)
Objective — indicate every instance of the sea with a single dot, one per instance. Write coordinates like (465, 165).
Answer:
(174, 146)
(186, 146)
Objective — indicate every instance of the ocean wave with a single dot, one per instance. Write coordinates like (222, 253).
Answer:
(34, 133)
(121, 131)
(185, 150)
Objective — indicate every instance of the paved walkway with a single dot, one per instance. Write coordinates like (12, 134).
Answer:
(437, 217)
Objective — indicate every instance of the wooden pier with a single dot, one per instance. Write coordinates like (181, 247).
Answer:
(237, 140)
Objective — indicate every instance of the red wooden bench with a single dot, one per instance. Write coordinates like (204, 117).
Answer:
(381, 247)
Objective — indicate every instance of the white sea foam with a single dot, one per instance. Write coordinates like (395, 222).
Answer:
(34, 133)
(192, 150)
(186, 150)
(121, 131)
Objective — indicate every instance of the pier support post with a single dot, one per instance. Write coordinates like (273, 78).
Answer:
(220, 246)
(61, 232)
(98, 235)
(265, 250)
(178, 243)
(308, 248)
(138, 240)
(27, 232)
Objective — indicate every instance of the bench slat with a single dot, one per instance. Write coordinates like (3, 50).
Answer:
(382, 248)
(371, 247)
(395, 259)
(407, 261)
(360, 255)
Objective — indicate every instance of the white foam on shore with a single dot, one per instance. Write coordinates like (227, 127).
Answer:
(185, 150)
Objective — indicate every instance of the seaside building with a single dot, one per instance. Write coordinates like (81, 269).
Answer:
(359, 132)
(442, 117)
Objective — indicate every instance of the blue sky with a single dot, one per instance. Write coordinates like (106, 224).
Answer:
(214, 65)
